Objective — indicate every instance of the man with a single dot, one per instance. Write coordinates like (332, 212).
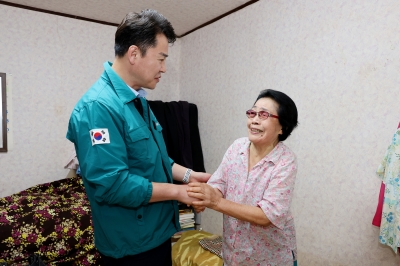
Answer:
(125, 167)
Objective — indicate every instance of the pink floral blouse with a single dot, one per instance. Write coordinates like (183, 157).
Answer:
(269, 185)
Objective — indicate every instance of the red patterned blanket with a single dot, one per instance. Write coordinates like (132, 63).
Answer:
(52, 220)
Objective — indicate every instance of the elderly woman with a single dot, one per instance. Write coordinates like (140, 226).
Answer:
(253, 187)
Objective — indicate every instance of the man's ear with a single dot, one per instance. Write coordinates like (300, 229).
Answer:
(133, 53)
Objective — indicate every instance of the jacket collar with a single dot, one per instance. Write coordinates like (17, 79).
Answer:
(121, 88)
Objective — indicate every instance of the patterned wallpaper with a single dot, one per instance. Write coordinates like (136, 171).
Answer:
(339, 61)
(53, 61)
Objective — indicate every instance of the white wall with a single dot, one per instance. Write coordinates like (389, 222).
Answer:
(53, 61)
(339, 61)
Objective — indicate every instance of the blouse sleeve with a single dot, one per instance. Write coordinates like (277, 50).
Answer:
(279, 193)
(219, 178)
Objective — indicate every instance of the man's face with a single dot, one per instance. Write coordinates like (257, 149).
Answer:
(149, 67)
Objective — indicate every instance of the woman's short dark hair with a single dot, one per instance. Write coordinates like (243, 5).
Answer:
(287, 111)
(141, 29)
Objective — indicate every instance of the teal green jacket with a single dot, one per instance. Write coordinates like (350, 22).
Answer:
(118, 162)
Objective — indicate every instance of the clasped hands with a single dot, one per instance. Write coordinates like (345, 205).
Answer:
(199, 194)
(203, 196)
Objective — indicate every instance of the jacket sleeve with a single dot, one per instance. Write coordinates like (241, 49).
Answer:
(105, 166)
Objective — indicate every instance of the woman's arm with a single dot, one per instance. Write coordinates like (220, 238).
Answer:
(212, 198)
(274, 206)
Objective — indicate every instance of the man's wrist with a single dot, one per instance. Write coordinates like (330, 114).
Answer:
(187, 176)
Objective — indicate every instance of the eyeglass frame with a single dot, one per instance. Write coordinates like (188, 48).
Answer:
(258, 114)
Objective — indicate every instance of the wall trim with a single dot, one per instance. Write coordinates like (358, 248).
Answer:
(219, 17)
(57, 13)
(116, 25)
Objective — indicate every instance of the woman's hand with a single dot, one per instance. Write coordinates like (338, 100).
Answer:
(199, 177)
(183, 195)
(208, 196)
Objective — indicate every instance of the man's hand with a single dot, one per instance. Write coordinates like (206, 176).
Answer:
(198, 209)
(199, 177)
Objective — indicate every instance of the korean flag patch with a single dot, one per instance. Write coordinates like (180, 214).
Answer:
(99, 136)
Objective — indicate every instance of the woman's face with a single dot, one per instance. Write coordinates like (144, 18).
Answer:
(264, 132)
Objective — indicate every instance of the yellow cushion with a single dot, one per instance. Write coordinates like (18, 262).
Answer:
(188, 252)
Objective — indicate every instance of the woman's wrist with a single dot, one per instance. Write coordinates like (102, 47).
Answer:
(216, 202)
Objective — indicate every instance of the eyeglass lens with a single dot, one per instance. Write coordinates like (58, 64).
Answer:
(262, 114)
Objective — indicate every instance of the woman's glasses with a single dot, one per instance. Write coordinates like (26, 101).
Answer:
(261, 114)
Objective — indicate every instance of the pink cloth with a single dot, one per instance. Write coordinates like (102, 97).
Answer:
(378, 214)
(269, 185)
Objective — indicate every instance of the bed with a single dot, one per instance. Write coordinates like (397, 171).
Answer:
(52, 220)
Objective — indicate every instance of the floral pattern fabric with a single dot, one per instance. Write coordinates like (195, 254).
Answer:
(269, 185)
(52, 220)
(389, 172)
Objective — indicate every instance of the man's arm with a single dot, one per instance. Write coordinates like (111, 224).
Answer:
(178, 172)
(166, 191)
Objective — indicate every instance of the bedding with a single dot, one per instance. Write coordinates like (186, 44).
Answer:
(52, 220)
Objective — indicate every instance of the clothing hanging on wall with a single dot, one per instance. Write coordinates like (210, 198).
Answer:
(179, 121)
(378, 214)
(389, 172)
